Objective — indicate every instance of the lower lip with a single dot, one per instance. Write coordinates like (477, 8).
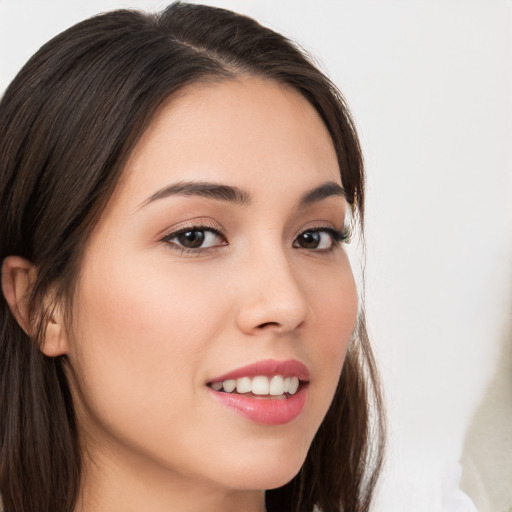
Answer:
(266, 411)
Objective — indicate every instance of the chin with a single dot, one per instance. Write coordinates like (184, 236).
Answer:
(271, 472)
(267, 480)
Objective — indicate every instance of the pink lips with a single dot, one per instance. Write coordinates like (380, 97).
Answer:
(266, 410)
(268, 367)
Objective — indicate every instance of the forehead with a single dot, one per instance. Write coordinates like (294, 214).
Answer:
(249, 132)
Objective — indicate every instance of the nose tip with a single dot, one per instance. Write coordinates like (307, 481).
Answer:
(272, 302)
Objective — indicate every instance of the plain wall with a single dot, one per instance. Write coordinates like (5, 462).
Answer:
(430, 86)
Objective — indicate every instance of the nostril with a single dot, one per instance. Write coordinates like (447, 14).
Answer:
(267, 324)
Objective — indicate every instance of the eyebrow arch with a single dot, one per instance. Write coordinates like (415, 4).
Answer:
(237, 195)
(202, 189)
(323, 191)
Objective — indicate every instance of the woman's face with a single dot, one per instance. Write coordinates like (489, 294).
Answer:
(216, 258)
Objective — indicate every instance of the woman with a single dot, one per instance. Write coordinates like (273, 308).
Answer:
(180, 324)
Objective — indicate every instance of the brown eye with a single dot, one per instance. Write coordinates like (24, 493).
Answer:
(196, 238)
(320, 239)
(309, 239)
(192, 239)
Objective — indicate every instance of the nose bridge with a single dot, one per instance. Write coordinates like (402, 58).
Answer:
(273, 297)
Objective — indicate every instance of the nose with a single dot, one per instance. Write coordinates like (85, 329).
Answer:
(271, 297)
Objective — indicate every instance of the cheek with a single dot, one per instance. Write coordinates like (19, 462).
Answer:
(151, 308)
(335, 306)
(142, 335)
(340, 307)
(334, 301)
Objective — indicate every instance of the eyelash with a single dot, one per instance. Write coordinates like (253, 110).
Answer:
(337, 237)
(187, 250)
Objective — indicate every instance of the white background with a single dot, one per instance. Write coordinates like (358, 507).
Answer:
(430, 87)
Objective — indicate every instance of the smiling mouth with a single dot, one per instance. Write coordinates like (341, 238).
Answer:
(260, 386)
(267, 392)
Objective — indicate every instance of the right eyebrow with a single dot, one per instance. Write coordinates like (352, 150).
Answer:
(323, 191)
(201, 189)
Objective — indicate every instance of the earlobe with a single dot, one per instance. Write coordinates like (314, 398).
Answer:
(18, 278)
(55, 340)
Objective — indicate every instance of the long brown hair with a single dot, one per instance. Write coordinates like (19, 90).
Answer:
(68, 123)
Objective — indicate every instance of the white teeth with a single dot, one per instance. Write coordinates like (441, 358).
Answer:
(294, 385)
(259, 385)
(243, 385)
(276, 386)
(229, 385)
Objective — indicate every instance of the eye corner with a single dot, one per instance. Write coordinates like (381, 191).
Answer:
(345, 236)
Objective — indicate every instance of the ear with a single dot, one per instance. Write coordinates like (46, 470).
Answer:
(18, 278)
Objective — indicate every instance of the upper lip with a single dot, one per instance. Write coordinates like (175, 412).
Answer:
(268, 368)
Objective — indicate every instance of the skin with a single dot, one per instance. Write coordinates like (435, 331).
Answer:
(152, 324)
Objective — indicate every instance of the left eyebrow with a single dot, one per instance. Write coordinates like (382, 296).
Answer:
(323, 191)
